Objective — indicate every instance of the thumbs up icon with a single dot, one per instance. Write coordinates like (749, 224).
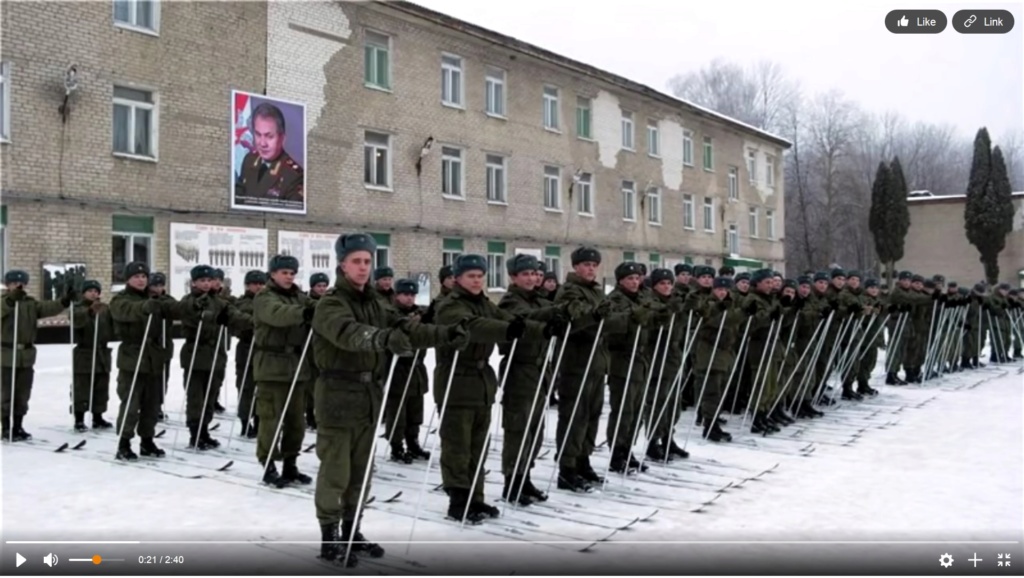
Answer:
(903, 21)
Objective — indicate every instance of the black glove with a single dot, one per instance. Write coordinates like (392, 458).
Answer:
(69, 297)
(642, 315)
(936, 295)
(825, 312)
(516, 329)
(893, 308)
(979, 299)
(905, 308)
(800, 303)
(602, 310)
(775, 314)
(394, 340)
(14, 295)
(151, 306)
(723, 305)
(457, 335)
(986, 307)
(786, 300)
(222, 316)
(307, 313)
(967, 326)
(202, 302)
(751, 309)
(555, 327)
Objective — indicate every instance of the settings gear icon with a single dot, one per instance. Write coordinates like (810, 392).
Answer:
(946, 560)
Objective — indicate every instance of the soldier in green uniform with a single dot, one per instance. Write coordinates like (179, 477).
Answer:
(403, 414)
(383, 282)
(810, 323)
(269, 172)
(852, 304)
(281, 315)
(91, 362)
(319, 283)
(727, 271)
(786, 356)
(715, 352)
(157, 289)
(219, 289)
(765, 313)
(548, 286)
(873, 301)
(524, 398)
(999, 332)
(138, 315)
(667, 358)
(581, 392)
(204, 317)
(18, 350)
(926, 325)
(1013, 304)
(353, 332)
(896, 344)
(244, 381)
(700, 291)
(473, 383)
(684, 278)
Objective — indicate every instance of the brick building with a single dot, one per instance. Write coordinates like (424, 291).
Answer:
(530, 151)
(936, 241)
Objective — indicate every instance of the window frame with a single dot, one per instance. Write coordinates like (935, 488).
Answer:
(154, 117)
(447, 160)
(128, 235)
(752, 165)
(585, 117)
(654, 208)
(5, 106)
(451, 249)
(553, 260)
(653, 139)
(552, 188)
(708, 214)
(687, 148)
(584, 189)
(627, 127)
(770, 223)
(132, 23)
(628, 201)
(689, 212)
(709, 154)
(372, 49)
(383, 242)
(495, 278)
(753, 222)
(734, 183)
(733, 239)
(450, 75)
(550, 117)
(388, 168)
(495, 92)
(769, 171)
(496, 173)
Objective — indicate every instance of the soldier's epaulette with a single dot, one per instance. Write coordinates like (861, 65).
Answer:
(290, 163)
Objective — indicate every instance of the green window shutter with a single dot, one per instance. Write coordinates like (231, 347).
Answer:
(382, 239)
(133, 224)
(656, 258)
(496, 247)
(452, 245)
(688, 260)
(3, 216)
(553, 251)
(628, 256)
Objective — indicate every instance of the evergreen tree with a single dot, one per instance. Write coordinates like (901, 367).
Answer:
(899, 215)
(982, 221)
(881, 191)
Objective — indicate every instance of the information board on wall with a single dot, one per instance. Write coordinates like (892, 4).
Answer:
(235, 250)
(315, 252)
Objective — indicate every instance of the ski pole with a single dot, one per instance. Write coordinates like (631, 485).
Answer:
(127, 403)
(405, 391)
(209, 386)
(14, 369)
(92, 374)
(622, 406)
(284, 412)
(252, 402)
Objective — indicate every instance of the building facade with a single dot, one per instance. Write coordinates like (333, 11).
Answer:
(937, 244)
(437, 136)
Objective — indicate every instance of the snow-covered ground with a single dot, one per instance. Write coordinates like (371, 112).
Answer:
(892, 482)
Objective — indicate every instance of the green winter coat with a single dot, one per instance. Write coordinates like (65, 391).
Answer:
(624, 360)
(581, 299)
(419, 382)
(731, 323)
(672, 343)
(167, 339)
(210, 310)
(474, 382)
(280, 335)
(89, 325)
(130, 310)
(918, 303)
(529, 358)
(30, 311)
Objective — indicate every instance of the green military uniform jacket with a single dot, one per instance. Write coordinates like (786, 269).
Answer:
(529, 356)
(132, 323)
(90, 325)
(581, 300)
(280, 335)
(281, 179)
(17, 344)
(405, 369)
(199, 314)
(722, 325)
(668, 354)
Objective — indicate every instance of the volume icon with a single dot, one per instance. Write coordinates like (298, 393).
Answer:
(50, 560)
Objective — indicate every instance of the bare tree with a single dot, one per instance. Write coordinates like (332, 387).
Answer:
(1012, 145)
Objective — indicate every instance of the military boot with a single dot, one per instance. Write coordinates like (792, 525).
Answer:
(586, 471)
(398, 453)
(716, 434)
(124, 451)
(458, 499)
(849, 394)
(512, 489)
(99, 423)
(290, 472)
(620, 461)
(414, 450)
(635, 464)
(149, 449)
(19, 433)
(217, 407)
(349, 532)
(204, 438)
(310, 419)
(675, 450)
(254, 430)
(658, 452)
(6, 429)
(530, 490)
(80, 422)
(809, 408)
(485, 509)
(331, 548)
(893, 378)
(569, 479)
(271, 477)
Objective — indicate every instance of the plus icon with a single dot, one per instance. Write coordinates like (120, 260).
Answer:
(975, 559)
(1002, 560)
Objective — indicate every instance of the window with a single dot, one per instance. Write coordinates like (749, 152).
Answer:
(688, 148)
(451, 80)
(553, 260)
(377, 159)
(709, 155)
(583, 118)
(709, 262)
(451, 172)
(653, 139)
(550, 108)
(5, 101)
(653, 262)
(709, 214)
(134, 122)
(584, 195)
(137, 13)
(377, 60)
(494, 87)
(131, 240)
(734, 240)
(495, 265)
(629, 257)
(496, 179)
(450, 251)
(770, 222)
(382, 258)
(653, 202)
(734, 184)
(628, 201)
(752, 165)
(688, 212)
(753, 218)
(552, 188)
(769, 170)
(627, 130)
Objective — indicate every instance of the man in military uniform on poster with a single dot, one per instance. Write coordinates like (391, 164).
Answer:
(269, 172)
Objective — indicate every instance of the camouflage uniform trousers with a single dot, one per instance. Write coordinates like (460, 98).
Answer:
(274, 408)
(139, 413)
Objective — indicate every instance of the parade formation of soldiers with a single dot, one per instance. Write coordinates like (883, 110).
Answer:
(348, 360)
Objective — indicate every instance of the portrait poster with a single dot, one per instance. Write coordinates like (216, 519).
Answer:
(315, 252)
(268, 154)
(235, 250)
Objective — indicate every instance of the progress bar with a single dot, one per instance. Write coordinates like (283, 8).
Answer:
(97, 559)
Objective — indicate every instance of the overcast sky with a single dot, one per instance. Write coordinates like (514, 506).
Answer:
(967, 81)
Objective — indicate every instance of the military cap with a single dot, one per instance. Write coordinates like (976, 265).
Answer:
(445, 273)
(521, 263)
(789, 283)
(348, 244)
(820, 276)
(778, 274)
(917, 279)
(551, 275)
(625, 269)
(659, 275)
(541, 266)
(905, 275)
(726, 270)
(979, 288)
(643, 269)
(952, 285)
(92, 284)
(760, 275)
(647, 282)
(201, 272)
(929, 284)
(837, 272)
(681, 268)
(279, 262)
(722, 283)
(383, 273)
(704, 271)
(255, 277)
(962, 291)
(585, 255)
(318, 278)
(870, 283)
(465, 263)
(744, 276)
(157, 279)
(135, 268)
(218, 274)
(938, 278)
(16, 276)
(1004, 286)
(407, 287)
(805, 280)
(852, 274)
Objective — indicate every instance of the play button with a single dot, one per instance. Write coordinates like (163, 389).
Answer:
(18, 560)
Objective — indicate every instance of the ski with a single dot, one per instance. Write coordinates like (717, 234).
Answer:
(65, 445)
(385, 566)
(62, 447)
(309, 448)
(160, 434)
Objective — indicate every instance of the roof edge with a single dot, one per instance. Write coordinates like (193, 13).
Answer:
(528, 49)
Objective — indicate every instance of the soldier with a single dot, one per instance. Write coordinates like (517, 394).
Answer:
(203, 319)
(281, 317)
(403, 415)
(872, 338)
(138, 315)
(447, 282)
(927, 324)
(473, 383)
(20, 313)
(318, 285)
(704, 277)
(549, 285)
(522, 400)
(269, 172)
(157, 289)
(780, 399)
(384, 278)
(811, 315)
(585, 360)
(741, 286)
(977, 322)
(219, 289)
(667, 360)
(727, 271)
(684, 274)
(91, 362)
(1014, 306)
(851, 302)
(715, 352)
(353, 330)
(244, 380)
(999, 332)
(765, 313)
